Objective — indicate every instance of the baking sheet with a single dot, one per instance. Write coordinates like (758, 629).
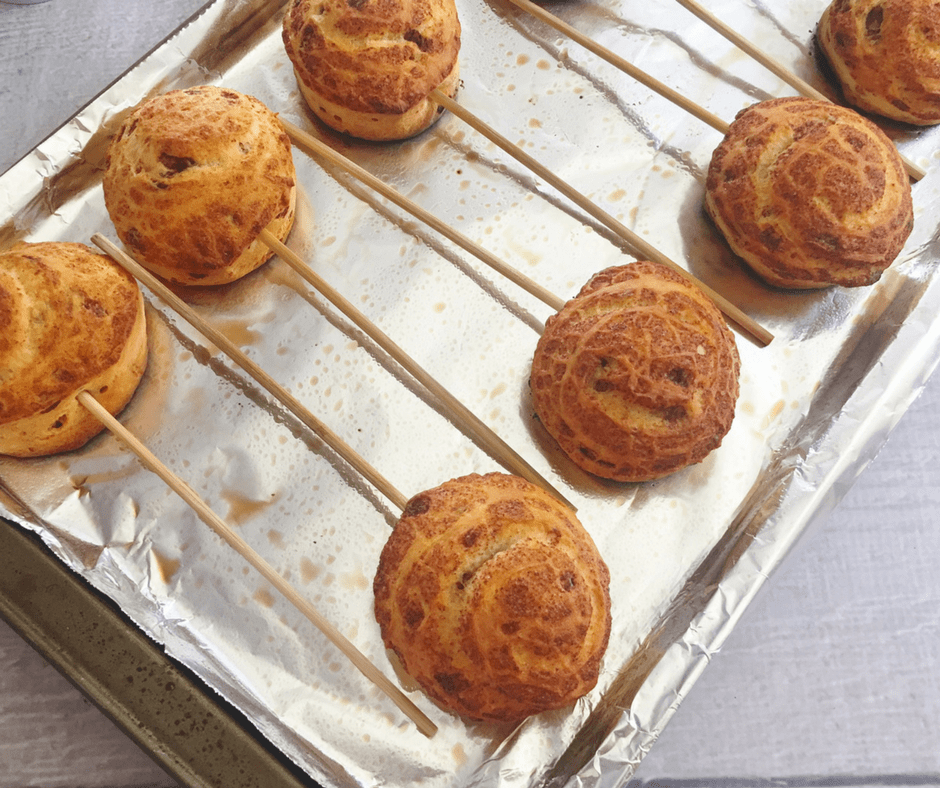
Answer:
(687, 552)
(181, 724)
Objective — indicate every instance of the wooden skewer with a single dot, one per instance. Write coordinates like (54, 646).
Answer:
(497, 447)
(774, 66)
(276, 390)
(801, 86)
(643, 249)
(150, 461)
(300, 137)
(624, 65)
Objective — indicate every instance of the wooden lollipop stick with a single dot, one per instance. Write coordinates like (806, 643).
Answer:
(278, 392)
(643, 249)
(495, 445)
(801, 86)
(150, 461)
(774, 66)
(624, 65)
(321, 149)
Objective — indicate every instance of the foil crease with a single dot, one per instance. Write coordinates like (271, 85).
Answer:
(688, 552)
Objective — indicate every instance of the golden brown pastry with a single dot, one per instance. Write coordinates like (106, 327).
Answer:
(494, 598)
(809, 194)
(637, 376)
(886, 56)
(71, 320)
(193, 176)
(367, 67)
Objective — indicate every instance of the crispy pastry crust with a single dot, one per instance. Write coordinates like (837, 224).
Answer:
(192, 178)
(886, 56)
(70, 320)
(809, 194)
(494, 597)
(366, 67)
(637, 376)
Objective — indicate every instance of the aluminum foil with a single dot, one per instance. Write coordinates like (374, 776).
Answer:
(687, 553)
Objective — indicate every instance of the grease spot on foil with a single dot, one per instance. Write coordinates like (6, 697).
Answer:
(460, 755)
(263, 597)
(356, 581)
(166, 567)
(241, 507)
(238, 332)
(773, 413)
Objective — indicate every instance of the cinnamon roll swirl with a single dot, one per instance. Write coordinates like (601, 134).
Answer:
(71, 320)
(367, 67)
(637, 376)
(809, 194)
(886, 56)
(193, 176)
(494, 598)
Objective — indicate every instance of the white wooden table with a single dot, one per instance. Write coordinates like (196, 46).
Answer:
(830, 679)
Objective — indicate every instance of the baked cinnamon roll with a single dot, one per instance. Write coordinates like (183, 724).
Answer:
(637, 376)
(494, 598)
(809, 194)
(71, 320)
(192, 177)
(886, 56)
(367, 67)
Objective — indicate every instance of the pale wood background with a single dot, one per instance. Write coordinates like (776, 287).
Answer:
(831, 679)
